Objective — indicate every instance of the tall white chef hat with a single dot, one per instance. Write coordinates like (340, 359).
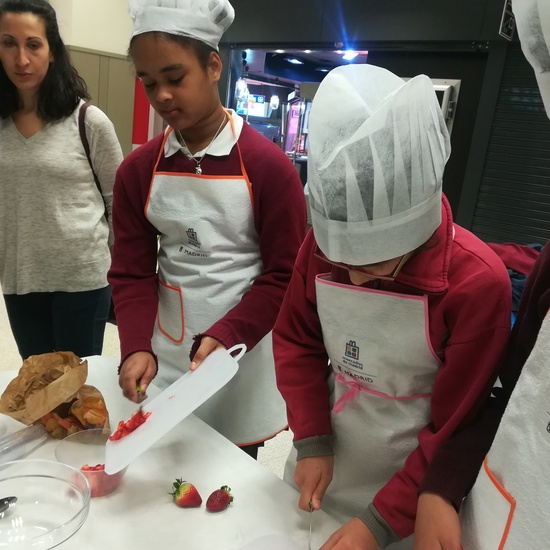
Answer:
(377, 152)
(533, 23)
(204, 20)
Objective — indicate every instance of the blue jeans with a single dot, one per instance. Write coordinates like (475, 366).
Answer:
(43, 322)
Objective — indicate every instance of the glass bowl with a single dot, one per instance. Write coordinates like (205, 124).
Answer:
(87, 448)
(52, 503)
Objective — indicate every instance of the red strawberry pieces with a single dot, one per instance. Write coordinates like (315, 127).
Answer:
(185, 494)
(125, 428)
(219, 500)
(96, 468)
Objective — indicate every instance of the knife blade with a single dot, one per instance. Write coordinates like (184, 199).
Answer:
(310, 517)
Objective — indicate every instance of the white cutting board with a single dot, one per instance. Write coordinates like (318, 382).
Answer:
(171, 406)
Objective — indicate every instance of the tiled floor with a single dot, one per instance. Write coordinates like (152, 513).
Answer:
(272, 456)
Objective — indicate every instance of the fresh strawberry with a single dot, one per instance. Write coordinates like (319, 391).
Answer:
(185, 494)
(219, 500)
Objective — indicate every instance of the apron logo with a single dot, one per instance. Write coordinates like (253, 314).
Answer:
(352, 350)
(192, 238)
(350, 358)
(193, 243)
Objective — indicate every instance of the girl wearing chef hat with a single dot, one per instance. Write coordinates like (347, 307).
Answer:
(507, 507)
(395, 318)
(219, 208)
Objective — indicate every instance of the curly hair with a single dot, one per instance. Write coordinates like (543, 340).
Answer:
(62, 88)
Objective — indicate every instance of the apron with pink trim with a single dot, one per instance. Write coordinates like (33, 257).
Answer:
(384, 370)
(208, 257)
(508, 507)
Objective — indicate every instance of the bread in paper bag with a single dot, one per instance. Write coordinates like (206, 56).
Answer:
(50, 388)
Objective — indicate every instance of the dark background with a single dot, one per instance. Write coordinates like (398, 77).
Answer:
(498, 176)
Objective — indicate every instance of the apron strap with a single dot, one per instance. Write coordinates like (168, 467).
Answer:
(355, 388)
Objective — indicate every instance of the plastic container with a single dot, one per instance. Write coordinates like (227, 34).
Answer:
(87, 448)
(52, 504)
(19, 444)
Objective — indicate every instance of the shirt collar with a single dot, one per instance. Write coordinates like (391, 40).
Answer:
(220, 147)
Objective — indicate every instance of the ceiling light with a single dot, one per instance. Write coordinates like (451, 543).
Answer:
(307, 51)
(294, 60)
(279, 51)
(323, 69)
(350, 55)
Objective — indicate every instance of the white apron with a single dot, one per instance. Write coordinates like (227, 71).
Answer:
(208, 258)
(509, 505)
(383, 373)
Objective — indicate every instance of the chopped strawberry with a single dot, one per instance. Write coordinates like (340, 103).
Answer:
(125, 428)
(185, 494)
(219, 500)
(96, 468)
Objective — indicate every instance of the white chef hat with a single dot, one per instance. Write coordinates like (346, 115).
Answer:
(204, 20)
(377, 152)
(533, 23)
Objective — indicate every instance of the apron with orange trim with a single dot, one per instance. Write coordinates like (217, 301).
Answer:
(383, 374)
(208, 257)
(509, 504)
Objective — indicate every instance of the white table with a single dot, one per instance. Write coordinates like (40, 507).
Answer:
(141, 514)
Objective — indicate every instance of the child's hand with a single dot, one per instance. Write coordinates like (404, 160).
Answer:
(437, 526)
(353, 534)
(138, 369)
(313, 476)
(208, 345)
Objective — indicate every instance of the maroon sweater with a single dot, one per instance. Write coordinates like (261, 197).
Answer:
(279, 218)
(455, 466)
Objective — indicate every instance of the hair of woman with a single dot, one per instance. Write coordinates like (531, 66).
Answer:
(62, 88)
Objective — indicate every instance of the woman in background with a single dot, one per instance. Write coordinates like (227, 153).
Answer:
(54, 250)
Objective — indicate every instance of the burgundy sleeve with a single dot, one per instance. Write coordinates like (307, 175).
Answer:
(133, 276)
(456, 464)
(517, 257)
(280, 221)
(301, 361)
(477, 315)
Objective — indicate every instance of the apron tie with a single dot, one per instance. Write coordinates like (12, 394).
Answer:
(354, 389)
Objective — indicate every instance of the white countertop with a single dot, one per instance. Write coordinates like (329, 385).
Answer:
(141, 514)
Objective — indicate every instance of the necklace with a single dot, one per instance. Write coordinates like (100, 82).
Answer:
(198, 168)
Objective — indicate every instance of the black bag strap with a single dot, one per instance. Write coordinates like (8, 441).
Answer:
(86, 145)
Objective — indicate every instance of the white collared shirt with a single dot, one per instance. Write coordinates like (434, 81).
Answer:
(220, 147)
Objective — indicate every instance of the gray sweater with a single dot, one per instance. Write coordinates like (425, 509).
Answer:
(54, 235)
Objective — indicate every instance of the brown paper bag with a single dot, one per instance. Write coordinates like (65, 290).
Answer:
(50, 389)
(44, 382)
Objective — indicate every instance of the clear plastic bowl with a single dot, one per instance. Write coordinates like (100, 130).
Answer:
(88, 448)
(52, 503)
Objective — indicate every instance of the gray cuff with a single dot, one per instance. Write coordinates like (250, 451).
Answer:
(318, 445)
(378, 526)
